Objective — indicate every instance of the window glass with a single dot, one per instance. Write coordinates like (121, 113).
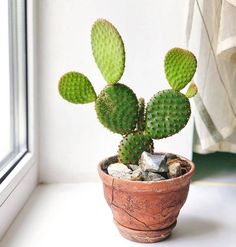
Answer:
(5, 111)
(13, 84)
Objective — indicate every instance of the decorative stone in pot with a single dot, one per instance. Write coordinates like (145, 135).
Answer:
(145, 211)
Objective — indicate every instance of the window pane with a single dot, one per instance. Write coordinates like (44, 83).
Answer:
(13, 85)
(5, 112)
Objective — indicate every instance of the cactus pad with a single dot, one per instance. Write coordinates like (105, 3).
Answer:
(180, 67)
(132, 146)
(192, 90)
(167, 113)
(108, 50)
(76, 88)
(117, 108)
(141, 116)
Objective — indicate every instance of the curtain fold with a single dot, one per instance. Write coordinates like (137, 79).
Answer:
(211, 35)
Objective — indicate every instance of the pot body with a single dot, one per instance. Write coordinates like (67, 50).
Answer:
(145, 211)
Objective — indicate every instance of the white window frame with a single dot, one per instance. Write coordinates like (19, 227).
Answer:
(18, 185)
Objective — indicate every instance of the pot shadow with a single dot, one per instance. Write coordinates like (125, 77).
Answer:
(193, 227)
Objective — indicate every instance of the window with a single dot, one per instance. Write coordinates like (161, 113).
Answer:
(13, 85)
(18, 107)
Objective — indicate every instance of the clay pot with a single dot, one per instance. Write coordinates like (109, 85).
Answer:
(145, 211)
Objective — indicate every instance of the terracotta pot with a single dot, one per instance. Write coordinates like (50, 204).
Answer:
(145, 211)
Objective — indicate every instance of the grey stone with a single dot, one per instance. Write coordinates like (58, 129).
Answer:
(172, 161)
(109, 161)
(153, 162)
(119, 170)
(152, 176)
(174, 170)
(137, 175)
(134, 167)
(170, 157)
(126, 177)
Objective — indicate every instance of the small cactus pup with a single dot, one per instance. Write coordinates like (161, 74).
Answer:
(117, 106)
(141, 114)
(192, 90)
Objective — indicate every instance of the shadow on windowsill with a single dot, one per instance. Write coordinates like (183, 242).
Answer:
(193, 227)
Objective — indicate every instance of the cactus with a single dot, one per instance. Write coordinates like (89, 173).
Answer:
(117, 106)
(192, 90)
(180, 66)
(132, 146)
(76, 88)
(141, 114)
(108, 50)
(167, 113)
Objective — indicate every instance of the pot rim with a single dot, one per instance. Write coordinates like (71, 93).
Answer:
(162, 185)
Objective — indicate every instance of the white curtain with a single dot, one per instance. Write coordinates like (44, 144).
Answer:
(211, 35)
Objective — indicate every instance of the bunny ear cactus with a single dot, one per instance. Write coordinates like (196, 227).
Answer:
(108, 50)
(117, 106)
(132, 146)
(167, 113)
(76, 88)
(141, 114)
(180, 67)
(192, 90)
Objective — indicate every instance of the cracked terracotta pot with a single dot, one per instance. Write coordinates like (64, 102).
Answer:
(145, 211)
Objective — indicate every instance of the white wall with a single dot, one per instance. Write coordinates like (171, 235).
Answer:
(72, 141)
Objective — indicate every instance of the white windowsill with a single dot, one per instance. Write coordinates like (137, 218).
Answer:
(16, 190)
(77, 215)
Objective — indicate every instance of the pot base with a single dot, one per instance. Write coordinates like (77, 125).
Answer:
(151, 236)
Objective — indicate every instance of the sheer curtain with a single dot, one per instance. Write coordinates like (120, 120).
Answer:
(211, 35)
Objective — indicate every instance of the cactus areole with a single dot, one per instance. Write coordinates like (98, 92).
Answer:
(119, 110)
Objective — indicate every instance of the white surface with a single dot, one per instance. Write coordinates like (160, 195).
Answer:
(17, 197)
(77, 215)
(72, 141)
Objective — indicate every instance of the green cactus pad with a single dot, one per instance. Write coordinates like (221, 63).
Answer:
(192, 90)
(117, 108)
(108, 50)
(76, 88)
(141, 116)
(180, 67)
(167, 113)
(132, 146)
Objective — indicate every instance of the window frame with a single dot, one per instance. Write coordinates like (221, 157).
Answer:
(18, 87)
(23, 176)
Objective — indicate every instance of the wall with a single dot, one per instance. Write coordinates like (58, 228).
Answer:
(72, 141)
